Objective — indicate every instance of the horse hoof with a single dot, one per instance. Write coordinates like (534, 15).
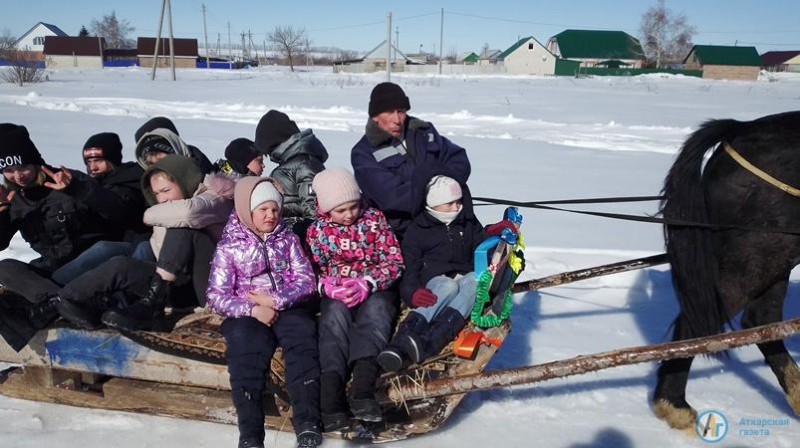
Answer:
(677, 418)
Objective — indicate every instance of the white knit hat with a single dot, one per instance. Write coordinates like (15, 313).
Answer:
(442, 190)
(334, 187)
(264, 192)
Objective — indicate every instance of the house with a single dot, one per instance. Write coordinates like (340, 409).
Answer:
(33, 39)
(74, 52)
(489, 57)
(528, 57)
(593, 48)
(375, 61)
(468, 58)
(724, 62)
(778, 61)
(185, 52)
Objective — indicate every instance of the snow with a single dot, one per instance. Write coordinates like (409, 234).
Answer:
(529, 138)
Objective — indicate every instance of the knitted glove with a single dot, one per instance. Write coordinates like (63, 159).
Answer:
(328, 284)
(496, 229)
(423, 298)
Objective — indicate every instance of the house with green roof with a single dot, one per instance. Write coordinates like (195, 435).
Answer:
(469, 58)
(528, 56)
(724, 62)
(594, 48)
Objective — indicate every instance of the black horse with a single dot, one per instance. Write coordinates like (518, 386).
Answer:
(720, 271)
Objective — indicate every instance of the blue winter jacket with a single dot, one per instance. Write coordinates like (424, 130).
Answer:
(384, 166)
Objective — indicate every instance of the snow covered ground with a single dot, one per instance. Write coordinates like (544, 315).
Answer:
(529, 138)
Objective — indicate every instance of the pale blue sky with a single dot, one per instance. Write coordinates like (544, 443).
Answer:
(469, 24)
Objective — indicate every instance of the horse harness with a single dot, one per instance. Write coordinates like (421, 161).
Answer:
(760, 173)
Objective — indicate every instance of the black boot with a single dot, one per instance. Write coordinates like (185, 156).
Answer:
(443, 330)
(363, 404)
(85, 314)
(308, 435)
(406, 345)
(43, 313)
(144, 314)
(250, 417)
(333, 405)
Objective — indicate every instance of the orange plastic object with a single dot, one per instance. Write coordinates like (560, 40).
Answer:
(467, 343)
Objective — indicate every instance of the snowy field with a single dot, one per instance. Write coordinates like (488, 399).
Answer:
(528, 138)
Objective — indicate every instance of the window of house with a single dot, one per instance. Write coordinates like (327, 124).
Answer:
(38, 40)
(530, 46)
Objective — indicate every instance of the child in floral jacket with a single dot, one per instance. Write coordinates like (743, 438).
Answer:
(263, 283)
(360, 260)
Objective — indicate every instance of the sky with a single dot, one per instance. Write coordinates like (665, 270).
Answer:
(468, 24)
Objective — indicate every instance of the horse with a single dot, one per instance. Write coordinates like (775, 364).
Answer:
(738, 254)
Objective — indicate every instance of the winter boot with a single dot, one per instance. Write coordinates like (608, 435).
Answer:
(43, 313)
(250, 417)
(83, 314)
(333, 404)
(144, 314)
(308, 435)
(363, 404)
(406, 345)
(443, 330)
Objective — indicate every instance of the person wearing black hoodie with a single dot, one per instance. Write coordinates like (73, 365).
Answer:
(59, 212)
(158, 137)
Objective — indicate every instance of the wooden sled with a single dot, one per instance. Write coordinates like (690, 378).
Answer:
(183, 374)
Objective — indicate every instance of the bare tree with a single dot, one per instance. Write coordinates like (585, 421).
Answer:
(666, 36)
(7, 41)
(115, 31)
(288, 41)
(23, 68)
(452, 56)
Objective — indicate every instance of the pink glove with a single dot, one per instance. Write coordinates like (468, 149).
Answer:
(327, 285)
(358, 289)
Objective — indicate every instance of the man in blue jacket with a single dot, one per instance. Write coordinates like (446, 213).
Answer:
(394, 145)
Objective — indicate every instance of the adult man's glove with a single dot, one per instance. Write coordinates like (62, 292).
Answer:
(423, 298)
(496, 229)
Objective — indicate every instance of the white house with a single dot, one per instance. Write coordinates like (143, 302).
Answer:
(528, 57)
(33, 39)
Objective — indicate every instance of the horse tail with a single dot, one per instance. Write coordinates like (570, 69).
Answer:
(689, 248)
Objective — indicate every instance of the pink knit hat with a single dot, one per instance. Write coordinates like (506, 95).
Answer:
(334, 187)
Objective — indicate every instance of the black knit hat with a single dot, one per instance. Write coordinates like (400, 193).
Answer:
(387, 96)
(16, 147)
(240, 153)
(274, 128)
(155, 123)
(105, 145)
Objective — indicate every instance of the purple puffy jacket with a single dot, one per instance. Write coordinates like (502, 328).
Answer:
(243, 263)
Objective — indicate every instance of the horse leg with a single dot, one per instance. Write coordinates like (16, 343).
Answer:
(768, 308)
(669, 398)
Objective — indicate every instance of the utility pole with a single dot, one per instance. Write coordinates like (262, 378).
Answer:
(171, 40)
(441, 41)
(389, 47)
(244, 47)
(205, 33)
(230, 50)
(396, 41)
(217, 52)
(158, 39)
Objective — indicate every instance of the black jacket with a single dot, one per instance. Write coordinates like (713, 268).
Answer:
(59, 225)
(431, 248)
(299, 159)
(124, 183)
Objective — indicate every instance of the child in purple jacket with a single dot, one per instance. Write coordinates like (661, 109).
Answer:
(263, 283)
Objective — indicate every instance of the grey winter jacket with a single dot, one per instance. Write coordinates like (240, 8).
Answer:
(299, 159)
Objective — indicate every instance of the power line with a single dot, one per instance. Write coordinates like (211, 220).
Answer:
(500, 19)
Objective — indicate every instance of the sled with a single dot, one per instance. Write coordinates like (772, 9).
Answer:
(182, 373)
